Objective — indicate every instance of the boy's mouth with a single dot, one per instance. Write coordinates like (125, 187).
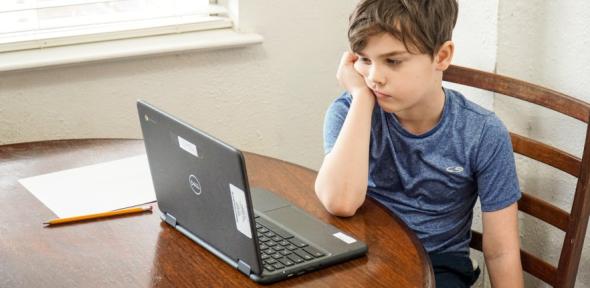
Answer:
(380, 95)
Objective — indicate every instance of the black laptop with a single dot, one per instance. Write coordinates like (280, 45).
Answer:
(202, 190)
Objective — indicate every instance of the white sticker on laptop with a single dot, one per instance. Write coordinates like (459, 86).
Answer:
(188, 146)
(238, 198)
(344, 237)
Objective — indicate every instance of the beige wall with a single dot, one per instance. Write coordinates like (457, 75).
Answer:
(268, 98)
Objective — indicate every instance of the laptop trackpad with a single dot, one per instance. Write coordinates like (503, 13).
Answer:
(264, 200)
(309, 228)
(298, 221)
(289, 217)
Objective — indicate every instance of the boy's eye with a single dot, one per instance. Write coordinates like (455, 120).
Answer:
(394, 62)
(365, 60)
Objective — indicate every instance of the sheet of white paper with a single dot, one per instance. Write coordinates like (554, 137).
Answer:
(97, 188)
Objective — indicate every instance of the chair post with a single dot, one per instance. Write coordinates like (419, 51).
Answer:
(571, 252)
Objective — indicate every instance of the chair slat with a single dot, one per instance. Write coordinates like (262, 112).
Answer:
(519, 89)
(544, 211)
(538, 268)
(546, 154)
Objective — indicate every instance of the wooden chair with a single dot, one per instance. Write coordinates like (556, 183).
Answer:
(575, 222)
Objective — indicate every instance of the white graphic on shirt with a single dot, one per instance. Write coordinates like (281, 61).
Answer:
(455, 169)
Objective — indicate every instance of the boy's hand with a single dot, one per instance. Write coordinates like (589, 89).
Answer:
(348, 77)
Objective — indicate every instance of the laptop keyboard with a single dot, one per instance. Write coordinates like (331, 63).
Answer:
(279, 249)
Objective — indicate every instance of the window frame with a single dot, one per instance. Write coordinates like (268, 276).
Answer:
(51, 37)
(133, 47)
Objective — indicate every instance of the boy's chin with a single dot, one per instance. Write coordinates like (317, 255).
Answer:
(387, 107)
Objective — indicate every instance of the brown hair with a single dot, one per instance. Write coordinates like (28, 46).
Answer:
(422, 25)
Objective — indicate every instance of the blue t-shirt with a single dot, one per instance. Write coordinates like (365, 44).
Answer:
(432, 181)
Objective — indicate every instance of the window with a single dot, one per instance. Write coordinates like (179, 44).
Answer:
(29, 24)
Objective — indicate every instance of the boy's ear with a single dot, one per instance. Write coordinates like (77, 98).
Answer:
(444, 56)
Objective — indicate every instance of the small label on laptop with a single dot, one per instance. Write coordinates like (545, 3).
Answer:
(344, 237)
(188, 146)
(238, 197)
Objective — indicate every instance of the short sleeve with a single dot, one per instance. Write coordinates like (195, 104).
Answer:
(334, 119)
(497, 182)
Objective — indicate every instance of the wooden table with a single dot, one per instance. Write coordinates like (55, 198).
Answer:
(141, 251)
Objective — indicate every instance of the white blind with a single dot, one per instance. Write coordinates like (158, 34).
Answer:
(28, 24)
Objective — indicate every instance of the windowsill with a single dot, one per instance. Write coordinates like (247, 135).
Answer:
(126, 48)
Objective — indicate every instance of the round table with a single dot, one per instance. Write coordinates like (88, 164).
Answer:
(141, 251)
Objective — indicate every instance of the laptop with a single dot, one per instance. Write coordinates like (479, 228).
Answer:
(202, 191)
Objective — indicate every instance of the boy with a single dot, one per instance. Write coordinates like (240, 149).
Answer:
(427, 151)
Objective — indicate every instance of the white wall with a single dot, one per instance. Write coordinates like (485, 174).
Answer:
(546, 42)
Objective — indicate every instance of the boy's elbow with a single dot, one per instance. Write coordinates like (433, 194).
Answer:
(341, 209)
(336, 203)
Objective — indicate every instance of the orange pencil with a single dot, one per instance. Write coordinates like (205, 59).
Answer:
(98, 215)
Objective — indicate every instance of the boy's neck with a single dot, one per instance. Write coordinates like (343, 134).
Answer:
(425, 115)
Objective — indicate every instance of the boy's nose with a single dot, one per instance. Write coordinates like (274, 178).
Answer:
(376, 77)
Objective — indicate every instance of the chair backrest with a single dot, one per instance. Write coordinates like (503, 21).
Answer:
(575, 222)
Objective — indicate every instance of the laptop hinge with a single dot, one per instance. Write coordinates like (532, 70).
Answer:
(170, 220)
(243, 267)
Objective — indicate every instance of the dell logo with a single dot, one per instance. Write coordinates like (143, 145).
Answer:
(195, 184)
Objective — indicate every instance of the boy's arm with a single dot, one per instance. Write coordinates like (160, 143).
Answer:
(501, 247)
(341, 184)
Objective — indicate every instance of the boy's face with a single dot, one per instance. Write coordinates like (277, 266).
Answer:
(403, 83)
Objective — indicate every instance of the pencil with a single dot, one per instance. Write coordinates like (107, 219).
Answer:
(98, 215)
